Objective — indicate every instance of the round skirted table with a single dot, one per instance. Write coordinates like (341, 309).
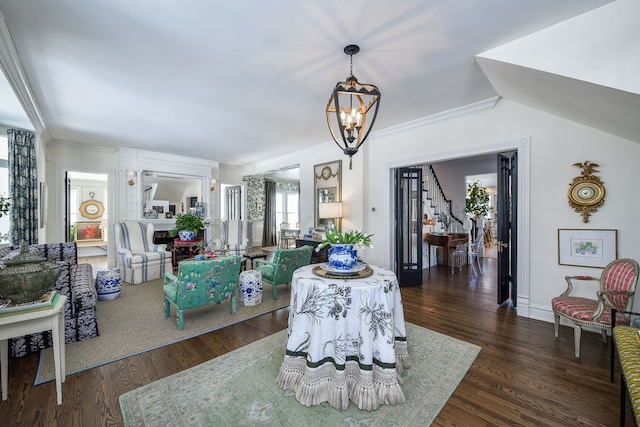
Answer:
(347, 340)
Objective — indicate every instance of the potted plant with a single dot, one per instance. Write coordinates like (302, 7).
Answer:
(342, 256)
(477, 202)
(187, 226)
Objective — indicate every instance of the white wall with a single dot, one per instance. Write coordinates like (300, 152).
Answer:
(555, 144)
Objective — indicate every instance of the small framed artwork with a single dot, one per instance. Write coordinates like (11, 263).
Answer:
(168, 215)
(88, 232)
(587, 248)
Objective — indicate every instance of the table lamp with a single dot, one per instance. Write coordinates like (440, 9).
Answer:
(330, 211)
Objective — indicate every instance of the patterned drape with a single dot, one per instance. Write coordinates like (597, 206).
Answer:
(269, 229)
(23, 187)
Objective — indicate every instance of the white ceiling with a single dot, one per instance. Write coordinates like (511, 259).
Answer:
(245, 81)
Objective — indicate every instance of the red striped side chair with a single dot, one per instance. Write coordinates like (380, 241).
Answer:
(617, 287)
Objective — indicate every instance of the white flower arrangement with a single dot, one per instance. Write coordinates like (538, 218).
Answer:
(355, 237)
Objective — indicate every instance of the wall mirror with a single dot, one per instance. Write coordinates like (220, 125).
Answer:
(167, 195)
(327, 188)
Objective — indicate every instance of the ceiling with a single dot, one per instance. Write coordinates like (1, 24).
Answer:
(244, 81)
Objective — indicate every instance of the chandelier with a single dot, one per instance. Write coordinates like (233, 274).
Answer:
(349, 113)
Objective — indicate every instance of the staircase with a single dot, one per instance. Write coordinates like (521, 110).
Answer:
(439, 206)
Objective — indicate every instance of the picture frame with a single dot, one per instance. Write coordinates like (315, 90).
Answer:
(587, 247)
(88, 231)
(168, 215)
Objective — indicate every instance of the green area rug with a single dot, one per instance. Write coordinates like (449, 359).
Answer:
(239, 389)
(135, 322)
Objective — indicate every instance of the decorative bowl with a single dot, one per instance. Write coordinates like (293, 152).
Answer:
(27, 277)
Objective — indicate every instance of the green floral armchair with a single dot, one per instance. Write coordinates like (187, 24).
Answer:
(285, 262)
(199, 283)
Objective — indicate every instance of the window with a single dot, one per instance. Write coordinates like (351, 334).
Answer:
(4, 187)
(287, 207)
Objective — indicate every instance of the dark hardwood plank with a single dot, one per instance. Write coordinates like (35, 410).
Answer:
(523, 375)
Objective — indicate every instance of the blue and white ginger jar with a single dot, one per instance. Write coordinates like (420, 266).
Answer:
(342, 256)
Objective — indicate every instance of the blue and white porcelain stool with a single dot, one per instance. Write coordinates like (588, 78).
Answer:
(250, 287)
(108, 284)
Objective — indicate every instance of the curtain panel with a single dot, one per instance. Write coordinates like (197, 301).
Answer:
(269, 229)
(23, 187)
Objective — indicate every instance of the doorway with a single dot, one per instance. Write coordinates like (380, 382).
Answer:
(459, 169)
(86, 218)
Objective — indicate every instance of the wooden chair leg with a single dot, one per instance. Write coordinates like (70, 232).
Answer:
(167, 308)
(577, 331)
(180, 319)
(556, 324)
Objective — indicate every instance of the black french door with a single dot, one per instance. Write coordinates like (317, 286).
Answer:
(408, 226)
(507, 227)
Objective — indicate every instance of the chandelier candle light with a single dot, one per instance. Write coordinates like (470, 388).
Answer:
(348, 110)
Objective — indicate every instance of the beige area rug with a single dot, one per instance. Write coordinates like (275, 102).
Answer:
(239, 389)
(135, 322)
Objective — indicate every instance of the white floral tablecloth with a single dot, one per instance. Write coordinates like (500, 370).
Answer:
(347, 340)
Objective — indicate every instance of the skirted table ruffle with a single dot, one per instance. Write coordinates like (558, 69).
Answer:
(347, 340)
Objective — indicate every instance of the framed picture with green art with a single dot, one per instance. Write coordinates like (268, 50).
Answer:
(587, 248)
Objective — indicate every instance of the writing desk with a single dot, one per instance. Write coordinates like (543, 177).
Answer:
(18, 325)
(447, 241)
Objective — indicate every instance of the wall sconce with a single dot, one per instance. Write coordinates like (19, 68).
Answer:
(131, 178)
(213, 184)
(330, 211)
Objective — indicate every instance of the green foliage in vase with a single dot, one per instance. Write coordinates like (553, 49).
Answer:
(5, 204)
(355, 237)
(187, 221)
(477, 202)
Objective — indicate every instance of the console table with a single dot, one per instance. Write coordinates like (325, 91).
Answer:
(28, 323)
(347, 340)
(447, 241)
(316, 257)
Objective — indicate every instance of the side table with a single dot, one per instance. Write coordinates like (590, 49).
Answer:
(190, 245)
(29, 323)
(250, 256)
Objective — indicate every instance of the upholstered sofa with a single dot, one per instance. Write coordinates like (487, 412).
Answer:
(76, 282)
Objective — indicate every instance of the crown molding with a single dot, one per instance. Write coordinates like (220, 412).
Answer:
(12, 67)
(485, 104)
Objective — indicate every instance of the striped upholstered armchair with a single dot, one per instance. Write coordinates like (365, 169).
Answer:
(234, 235)
(139, 259)
(617, 289)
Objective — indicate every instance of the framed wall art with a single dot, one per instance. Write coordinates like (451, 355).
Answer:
(587, 248)
(88, 232)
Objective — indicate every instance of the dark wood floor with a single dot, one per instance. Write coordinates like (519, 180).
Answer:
(522, 376)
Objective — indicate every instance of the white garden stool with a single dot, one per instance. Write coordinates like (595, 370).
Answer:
(108, 284)
(250, 287)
